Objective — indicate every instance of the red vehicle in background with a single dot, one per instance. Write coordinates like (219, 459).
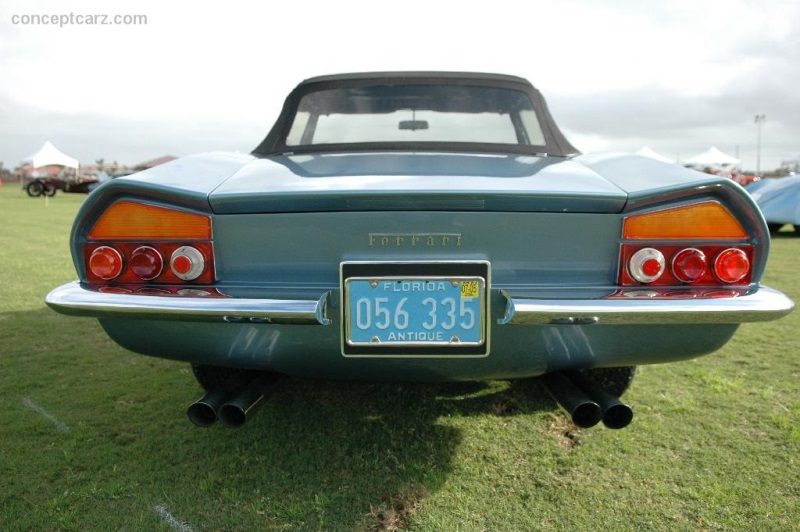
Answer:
(744, 179)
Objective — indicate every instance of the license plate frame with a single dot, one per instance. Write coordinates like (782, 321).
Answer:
(476, 275)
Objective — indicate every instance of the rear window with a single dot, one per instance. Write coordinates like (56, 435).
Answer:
(415, 114)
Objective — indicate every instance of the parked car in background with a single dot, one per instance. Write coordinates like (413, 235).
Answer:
(745, 179)
(779, 200)
(731, 173)
(81, 184)
(419, 227)
(43, 186)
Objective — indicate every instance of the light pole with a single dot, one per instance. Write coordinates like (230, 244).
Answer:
(760, 119)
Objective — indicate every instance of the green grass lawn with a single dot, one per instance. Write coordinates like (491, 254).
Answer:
(715, 443)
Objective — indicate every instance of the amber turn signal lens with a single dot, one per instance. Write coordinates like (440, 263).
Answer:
(106, 263)
(126, 220)
(707, 220)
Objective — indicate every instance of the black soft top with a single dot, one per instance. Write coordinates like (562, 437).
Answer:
(556, 143)
(436, 77)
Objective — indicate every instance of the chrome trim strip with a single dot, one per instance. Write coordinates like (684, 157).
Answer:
(762, 304)
(75, 300)
(321, 312)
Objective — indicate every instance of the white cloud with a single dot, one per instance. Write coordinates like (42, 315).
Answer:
(196, 64)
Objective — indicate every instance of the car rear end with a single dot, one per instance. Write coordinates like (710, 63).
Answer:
(420, 227)
(390, 286)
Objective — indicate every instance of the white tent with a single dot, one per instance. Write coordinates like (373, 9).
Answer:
(49, 154)
(648, 152)
(712, 157)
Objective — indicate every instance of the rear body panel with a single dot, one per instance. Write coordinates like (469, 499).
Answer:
(305, 249)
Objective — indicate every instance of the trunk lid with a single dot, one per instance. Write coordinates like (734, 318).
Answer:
(401, 181)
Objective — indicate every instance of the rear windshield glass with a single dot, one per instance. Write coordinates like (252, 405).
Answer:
(415, 114)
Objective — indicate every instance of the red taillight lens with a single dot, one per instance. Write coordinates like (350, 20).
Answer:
(701, 265)
(146, 263)
(646, 265)
(153, 263)
(689, 265)
(731, 265)
(187, 263)
(106, 263)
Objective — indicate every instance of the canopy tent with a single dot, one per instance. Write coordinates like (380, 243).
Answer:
(712, 157)
(50, 155)
(648, 152)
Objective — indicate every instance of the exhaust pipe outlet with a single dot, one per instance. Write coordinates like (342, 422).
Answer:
(203, 412)
(238, 408)
(616, 414)
(582, 409)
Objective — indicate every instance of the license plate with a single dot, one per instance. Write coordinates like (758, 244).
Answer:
(415, 315)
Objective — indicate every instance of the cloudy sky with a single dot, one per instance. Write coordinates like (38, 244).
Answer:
(678, 76)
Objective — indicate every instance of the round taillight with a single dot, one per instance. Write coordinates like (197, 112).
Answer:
(106, 263)
(731, 265)
(187, 263)
(646, 265)
(146, 263)
(689, 265)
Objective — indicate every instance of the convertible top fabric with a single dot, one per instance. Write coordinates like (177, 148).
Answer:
(438, 77)
(556, 143)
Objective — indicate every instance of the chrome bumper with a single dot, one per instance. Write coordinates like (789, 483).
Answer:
(76, 300)
(764, 304)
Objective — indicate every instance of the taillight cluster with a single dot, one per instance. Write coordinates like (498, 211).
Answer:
(153, 262)
(670, 265)
(141, 243)
(699, 244)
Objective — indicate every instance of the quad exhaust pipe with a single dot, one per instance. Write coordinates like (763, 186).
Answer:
(234, 402)
(585, 402)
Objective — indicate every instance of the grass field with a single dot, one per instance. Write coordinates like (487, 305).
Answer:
(95, 438)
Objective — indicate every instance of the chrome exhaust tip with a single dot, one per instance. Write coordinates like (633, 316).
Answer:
(203, 412)
(585, 412)
(239, 407)
(616, 414)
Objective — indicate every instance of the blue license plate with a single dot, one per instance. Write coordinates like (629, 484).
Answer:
(443, 312)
